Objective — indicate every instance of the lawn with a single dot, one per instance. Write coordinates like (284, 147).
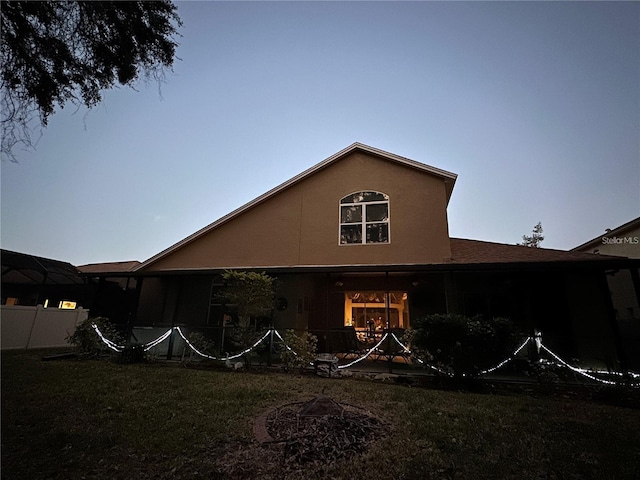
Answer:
(96, 419)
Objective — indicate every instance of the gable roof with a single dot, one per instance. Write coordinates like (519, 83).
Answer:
(448, 177)
(633, 224)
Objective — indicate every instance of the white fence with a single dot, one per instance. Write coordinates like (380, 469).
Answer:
(37, 327)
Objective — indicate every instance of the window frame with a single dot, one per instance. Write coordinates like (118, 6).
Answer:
(363, 224)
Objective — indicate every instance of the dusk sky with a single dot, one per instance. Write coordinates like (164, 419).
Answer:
(536, 107)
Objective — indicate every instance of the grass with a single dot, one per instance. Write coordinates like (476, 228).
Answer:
(80, 419)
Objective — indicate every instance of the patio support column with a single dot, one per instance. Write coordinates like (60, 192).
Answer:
(176, 306)
(132, 313)
(451, 292)
(387, 294)
(635, 277)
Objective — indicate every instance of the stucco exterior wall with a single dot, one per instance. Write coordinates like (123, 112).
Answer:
(300, 225)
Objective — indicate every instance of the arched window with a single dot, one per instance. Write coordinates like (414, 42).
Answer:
(364, 218)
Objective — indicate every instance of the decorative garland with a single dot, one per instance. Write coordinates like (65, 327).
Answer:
(537, 339)
(232, 357)
(375, 347)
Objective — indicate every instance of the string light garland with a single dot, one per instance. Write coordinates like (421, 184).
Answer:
(577, 370)
(228, 357)
(106, 341)
(420, 361)
(507, 360)
(607, 372)
(365, 355)
(537, 340)
(285, 343)
(158, 340)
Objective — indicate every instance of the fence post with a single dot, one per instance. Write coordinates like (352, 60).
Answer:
(270, 345)
(390, 351)
(170, 348)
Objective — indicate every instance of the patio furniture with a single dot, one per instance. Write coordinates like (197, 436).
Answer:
(390, 349)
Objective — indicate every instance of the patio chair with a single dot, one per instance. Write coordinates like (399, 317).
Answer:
(345, 341)
(390, 349)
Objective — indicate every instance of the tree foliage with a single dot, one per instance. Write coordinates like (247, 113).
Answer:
(252, 293)
(54, 53)
(535, 239)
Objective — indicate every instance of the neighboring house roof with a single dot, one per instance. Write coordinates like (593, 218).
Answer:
(108, 268)
(25, 269)
(619, 231)
(448, 177)
(465, 251)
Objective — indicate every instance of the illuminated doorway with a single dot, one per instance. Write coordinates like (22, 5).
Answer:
(371, 312)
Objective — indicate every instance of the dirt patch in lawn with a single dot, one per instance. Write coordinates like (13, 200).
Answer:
(304, 436)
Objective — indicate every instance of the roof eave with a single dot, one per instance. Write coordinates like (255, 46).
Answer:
(551, 266)
(616, 231)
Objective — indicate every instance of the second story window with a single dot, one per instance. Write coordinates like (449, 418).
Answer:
(364, 218)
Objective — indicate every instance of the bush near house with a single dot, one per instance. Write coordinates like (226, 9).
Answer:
(202, 344)
(303, 350)
(465, 345)
(87, 340)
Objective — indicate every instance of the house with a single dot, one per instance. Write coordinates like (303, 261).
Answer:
(42, 301)
(621, 241)
(29, 280)
(361, 239)
(624, 284)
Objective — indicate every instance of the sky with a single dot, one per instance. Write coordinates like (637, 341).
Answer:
(534, 105)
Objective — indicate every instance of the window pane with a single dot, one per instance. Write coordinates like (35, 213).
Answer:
(377, 212)
(374, 197)
(359, 197)
(350, 234)
(353, 198)
(351, 214)
(378, 233)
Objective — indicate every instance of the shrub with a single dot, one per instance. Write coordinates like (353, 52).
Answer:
(240, 337)
(303, 350)
(202, 344)
(87, 340)
(417, 352)
(465, 345)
